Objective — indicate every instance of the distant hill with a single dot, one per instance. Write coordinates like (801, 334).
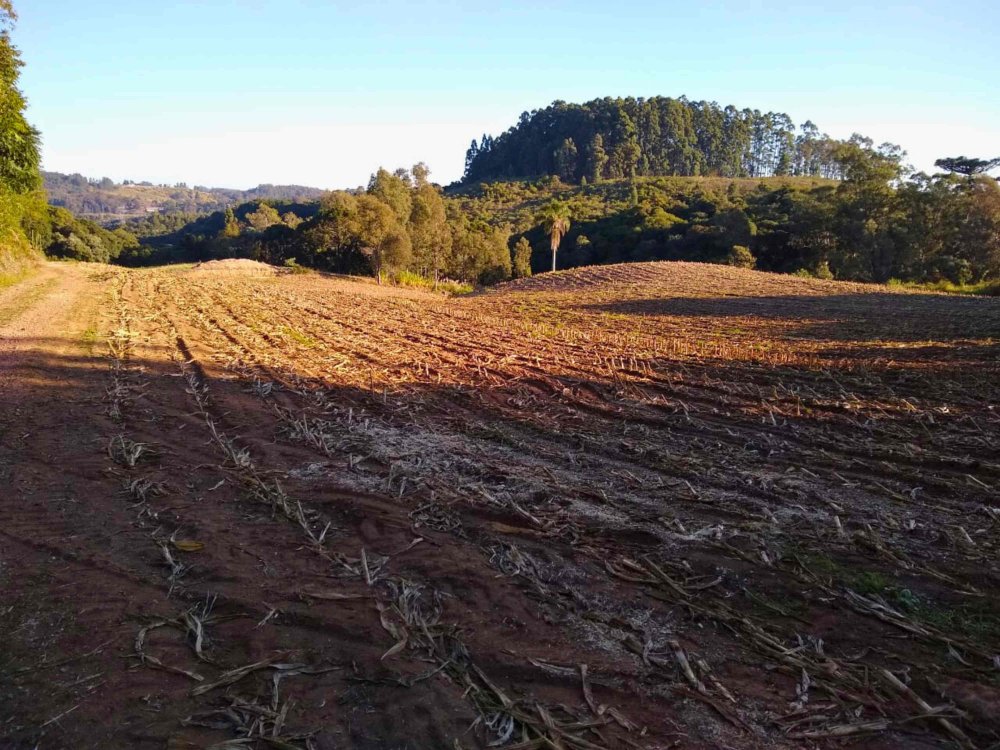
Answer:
(108, 202)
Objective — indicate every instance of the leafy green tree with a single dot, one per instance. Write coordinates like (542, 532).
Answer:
(566, 158)
(332, 237)
(429, 232)
(80, 239)
(619, 138)
(866, 210)
(555, 221)
(394, 191)
(231, 226)
(480, 252)
(381, 235)
(23, 216)
(265, 216)
(976, 223)
(521, 266)
(734, 227)
(741, 257)
(19, 142)
(421, 173)
(597, 158)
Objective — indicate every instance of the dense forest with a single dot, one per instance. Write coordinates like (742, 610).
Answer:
(657, 137)
(23, 218)
(105, 201)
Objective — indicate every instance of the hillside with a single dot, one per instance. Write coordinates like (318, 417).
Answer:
(646, 505)
(106, 201)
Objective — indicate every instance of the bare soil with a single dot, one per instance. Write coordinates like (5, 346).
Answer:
(647, 506)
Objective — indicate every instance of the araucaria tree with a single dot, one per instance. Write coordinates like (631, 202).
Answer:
(554, 219)
(969, 167)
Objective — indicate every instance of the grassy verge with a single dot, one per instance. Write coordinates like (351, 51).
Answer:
(21, 301)
(416, 281)
(983, 288)
(9, 278)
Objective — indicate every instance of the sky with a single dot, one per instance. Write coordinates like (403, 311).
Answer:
(234, 93)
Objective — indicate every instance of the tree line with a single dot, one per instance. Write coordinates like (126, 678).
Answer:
(619, 180)
(23, 213)
(871, 225)
(616, 138)
(401, 223)
(106, 200)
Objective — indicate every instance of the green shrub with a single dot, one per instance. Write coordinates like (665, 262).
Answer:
(416, 281)
(741, 257)
(823, 271)
(292, 265)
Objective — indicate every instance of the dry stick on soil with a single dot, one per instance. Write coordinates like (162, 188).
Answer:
(843, 730)
(845, 394)
(682, 660)
(127, 452)
(950, 728)
(235, 675)
(145, 658)
(547, 729)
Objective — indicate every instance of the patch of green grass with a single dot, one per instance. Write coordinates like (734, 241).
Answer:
(293, 265)
(975, 620)
(8, 278)
(90, 336)
(416, 281)
(984, 288)
(764, 605)
(870, 582)
(307, 341)
(816, 562)
(24, 301)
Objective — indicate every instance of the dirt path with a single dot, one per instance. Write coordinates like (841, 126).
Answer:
(298, 512)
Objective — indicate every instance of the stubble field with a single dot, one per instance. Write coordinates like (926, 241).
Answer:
(653, 506)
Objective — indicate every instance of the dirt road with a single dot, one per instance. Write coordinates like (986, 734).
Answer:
(591, 511)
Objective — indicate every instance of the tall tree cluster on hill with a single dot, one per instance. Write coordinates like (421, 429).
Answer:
(872, 224)
(661, 136)
(23, 220)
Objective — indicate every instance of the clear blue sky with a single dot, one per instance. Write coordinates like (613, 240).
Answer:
(239, 92)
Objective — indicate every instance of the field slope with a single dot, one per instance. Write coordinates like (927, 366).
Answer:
(656, 505)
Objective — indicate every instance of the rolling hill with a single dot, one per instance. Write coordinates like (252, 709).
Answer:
(106, 201)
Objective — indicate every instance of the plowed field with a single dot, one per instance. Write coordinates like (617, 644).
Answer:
(645, 506)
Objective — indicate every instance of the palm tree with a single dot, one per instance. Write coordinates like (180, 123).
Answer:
(555, 221)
